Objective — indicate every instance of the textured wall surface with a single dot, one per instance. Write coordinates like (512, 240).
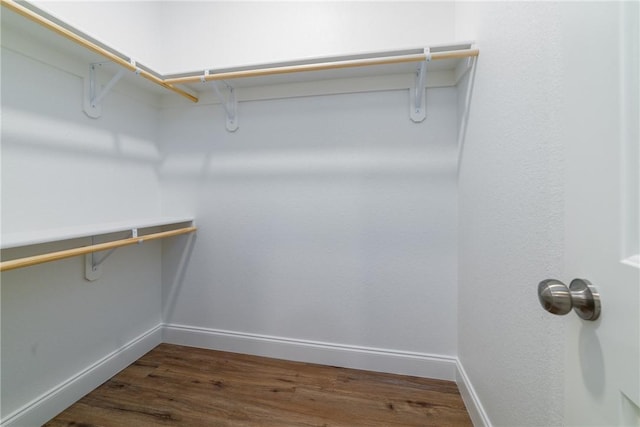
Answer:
(325, 218)
(511, 213)
(245, 33)
(59, 169)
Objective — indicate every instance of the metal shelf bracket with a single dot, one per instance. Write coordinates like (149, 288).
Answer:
(417, 94)
(93, 263)
(230, 103)
(94, 94)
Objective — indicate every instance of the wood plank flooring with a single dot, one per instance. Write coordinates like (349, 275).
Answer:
(183, 386)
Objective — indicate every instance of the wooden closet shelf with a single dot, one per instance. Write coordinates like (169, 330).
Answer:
(338, 63)
(84, 232)
(364, 64)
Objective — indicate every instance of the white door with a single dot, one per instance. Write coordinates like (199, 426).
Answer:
(602, 366)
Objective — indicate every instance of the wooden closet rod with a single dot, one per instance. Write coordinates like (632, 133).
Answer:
(228, 75)
(68, 253)
(14, 6)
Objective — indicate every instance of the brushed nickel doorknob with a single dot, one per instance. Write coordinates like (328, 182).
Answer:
(581, 295)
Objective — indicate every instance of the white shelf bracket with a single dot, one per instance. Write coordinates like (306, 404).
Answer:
(417, 95)
(94, 93)
(93, 263)
(230, 103)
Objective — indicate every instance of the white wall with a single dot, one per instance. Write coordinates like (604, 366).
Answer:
(60, 168)
(328, 219)
(178, 36)
(511, 212)
(131, 27)
(218, 34)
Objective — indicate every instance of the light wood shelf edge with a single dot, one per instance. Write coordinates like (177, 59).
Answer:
(38, 237)
(323, 66)
(68, 253)
(169, 82)
(70, 35)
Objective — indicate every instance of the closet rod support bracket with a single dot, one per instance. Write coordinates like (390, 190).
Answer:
(229, 103)
(232, 110)
(417, 94)
(94, 93)
(93, 263)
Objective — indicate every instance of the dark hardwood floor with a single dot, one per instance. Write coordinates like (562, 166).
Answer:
(183, 386)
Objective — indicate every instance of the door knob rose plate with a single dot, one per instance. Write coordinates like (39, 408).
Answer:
(581, 295)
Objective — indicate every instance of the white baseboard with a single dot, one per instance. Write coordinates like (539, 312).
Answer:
(54, 401)
(479, 417)
(347, 356)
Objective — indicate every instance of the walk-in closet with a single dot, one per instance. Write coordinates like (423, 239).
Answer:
(435, 201)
